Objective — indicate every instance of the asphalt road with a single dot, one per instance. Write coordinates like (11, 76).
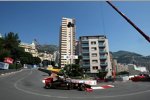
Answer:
(27, 85)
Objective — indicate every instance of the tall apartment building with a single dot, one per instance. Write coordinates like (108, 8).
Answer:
(95, 54)
(67, 41)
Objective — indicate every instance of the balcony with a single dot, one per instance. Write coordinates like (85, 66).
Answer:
(101, 40)
(85, 45)
(85, 57)
(85, 42)
(103, 57)
(85, 51)
(102, 46)
(103, 64)
(102, 52)
(86, 65)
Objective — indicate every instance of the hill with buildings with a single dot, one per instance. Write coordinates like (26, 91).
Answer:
(48, 48)
(127, 57)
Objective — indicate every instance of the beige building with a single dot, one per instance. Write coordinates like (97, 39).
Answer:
(45, 56)
(67, 41)
(31, 48)
(95, 54)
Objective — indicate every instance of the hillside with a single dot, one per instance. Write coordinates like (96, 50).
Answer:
(48, 48)
(131, 57)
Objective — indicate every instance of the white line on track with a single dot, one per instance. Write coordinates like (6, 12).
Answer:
(39, 94)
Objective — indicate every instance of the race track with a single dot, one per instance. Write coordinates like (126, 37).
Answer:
(27, 85)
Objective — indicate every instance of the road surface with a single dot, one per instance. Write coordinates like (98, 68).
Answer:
(27, 85)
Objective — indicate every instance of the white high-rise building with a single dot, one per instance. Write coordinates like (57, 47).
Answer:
(95, 54)
(67, 41)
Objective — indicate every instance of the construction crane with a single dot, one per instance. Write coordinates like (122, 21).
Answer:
(130, 22)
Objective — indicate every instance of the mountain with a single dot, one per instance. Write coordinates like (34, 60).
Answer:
(125, 53)
(127, 57)
(48, 48)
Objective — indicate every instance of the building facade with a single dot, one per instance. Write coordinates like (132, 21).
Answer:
(45, 56)
(31, 48)
(67, 41)
(95, 54)
(56, 56)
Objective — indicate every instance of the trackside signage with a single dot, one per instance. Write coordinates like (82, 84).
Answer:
(8, 60)
(90, 82)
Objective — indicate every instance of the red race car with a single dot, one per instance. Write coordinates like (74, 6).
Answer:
(141, 77)
(64, 84)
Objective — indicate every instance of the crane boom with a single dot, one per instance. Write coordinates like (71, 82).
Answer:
(130, 22)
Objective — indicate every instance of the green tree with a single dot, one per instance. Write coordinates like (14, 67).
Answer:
(11, 40)
(36, 60)
(73, 70)
(4, 53)
(77, 61)
(29, 57)
(1, 43)
(11, 43)
(9, 47)
(102, 74)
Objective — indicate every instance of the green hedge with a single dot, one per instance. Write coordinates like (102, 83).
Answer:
(13, 66)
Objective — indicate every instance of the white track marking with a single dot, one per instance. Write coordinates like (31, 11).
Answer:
(39, 94)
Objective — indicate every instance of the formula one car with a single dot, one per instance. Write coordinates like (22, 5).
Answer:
(58, 79)
(64, 84)
(141, 77)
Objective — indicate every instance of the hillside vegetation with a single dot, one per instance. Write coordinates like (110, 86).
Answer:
(127, 57)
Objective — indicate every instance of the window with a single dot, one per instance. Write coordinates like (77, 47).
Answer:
(94, 61)
(94, 48)
(85, 38)
(93, 42)
(95, 67)
(101, 49)
(94, 54)
(102, 55)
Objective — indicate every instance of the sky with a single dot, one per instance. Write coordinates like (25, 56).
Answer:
(41, 21)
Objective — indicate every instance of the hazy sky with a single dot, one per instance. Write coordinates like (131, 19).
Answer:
(42, 20)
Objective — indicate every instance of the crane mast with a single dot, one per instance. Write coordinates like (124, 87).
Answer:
(130, 22)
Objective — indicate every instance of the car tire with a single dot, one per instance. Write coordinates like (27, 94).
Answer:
(81, 87)
(69, 86)
(48, 86)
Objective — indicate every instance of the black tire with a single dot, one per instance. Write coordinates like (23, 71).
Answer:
(81, 87)
(48, 86)
(69, 86)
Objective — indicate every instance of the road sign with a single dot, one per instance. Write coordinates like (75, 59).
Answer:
(71, 57)
(8, 60)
